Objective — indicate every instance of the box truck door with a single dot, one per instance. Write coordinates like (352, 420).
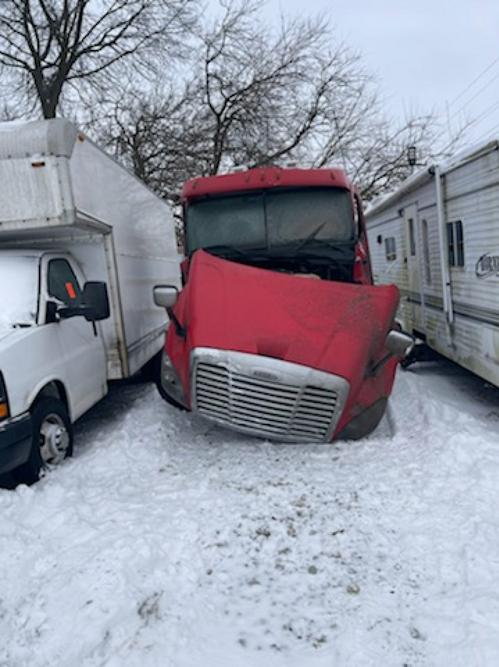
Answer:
(415, 297)
(80, 342)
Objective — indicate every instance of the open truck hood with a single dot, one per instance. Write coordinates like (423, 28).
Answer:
(338, 328)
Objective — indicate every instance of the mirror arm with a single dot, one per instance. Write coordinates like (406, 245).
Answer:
(67, 312)
(180, 330)
(379, 364)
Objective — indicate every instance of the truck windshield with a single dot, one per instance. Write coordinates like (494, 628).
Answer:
(271, 219)
(18, 291)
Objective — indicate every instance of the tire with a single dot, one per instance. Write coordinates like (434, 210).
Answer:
(168, 384)
(365, 423)
(151, 372)
(52, 440)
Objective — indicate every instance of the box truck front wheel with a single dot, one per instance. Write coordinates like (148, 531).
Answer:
(52, 439)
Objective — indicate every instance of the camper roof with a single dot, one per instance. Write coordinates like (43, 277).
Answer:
(20, 139)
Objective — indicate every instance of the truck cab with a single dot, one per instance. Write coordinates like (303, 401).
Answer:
(52, 356)
(278, 330)
(301, 222)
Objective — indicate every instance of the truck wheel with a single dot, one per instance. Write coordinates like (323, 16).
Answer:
(151, 371)
(52, 439)
(168, 384)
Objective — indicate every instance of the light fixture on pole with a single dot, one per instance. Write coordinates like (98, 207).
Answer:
(412, 156)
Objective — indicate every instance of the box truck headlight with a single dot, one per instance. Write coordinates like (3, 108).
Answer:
(4, 404)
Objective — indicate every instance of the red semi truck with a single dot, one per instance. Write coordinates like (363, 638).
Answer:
(278, 330)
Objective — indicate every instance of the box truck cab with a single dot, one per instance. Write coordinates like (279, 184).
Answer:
(82, 243)
(52, 356)
(278, 330)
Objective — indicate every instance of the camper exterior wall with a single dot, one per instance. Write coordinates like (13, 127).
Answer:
(471, 203)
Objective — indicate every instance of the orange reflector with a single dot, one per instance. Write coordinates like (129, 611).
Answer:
(4, 411)
(70, 290)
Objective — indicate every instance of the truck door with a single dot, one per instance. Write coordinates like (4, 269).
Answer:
(79, 341)
(415, 298)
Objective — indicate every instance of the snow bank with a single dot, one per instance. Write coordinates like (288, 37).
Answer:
(167, 541)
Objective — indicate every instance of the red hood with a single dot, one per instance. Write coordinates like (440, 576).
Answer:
(334, 327)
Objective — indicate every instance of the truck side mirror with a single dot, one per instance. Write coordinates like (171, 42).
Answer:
(399, 344)
(96, 301)
(165, 296)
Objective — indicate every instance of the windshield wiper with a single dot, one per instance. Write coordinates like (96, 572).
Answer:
(341, 247)
(315, 247)
(225, 250)
(311, 236)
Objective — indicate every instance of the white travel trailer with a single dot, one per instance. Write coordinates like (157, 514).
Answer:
(437, 238)
(69, 214)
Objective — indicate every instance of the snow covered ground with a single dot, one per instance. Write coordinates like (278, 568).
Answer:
(169, 542)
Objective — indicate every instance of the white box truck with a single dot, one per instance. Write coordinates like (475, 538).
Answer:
(82, 244)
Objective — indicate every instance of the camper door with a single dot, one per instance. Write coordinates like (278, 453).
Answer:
(413, 260)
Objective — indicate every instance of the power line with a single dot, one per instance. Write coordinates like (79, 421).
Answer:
(477, 78)
(473, 97)
(475, 121)
(463, 92)
(487, 134)
(485, 114)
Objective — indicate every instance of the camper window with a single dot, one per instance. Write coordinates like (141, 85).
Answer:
(455, 243)
(390, 249)
(411, 237)
(450, 244)
(426, 252)
(459, 243)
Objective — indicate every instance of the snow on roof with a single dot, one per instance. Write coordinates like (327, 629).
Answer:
(20, 139)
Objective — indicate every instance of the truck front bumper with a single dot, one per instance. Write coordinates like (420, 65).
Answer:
(15, 442)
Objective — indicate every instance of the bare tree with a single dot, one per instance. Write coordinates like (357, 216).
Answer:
(266, 92)
(255, 96)
(51, 46)
(162, 137)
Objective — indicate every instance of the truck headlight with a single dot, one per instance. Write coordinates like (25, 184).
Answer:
(4, 403)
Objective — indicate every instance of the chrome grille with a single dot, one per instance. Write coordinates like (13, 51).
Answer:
(226, 394)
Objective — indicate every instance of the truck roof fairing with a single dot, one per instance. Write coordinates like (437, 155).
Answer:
(262, 178)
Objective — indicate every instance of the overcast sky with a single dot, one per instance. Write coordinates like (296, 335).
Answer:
(424, 52)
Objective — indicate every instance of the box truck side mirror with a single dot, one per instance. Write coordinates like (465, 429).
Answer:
(94, 305)
(165, 296)
(96, 299)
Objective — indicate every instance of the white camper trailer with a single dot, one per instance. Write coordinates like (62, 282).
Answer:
(437, 238)
(69, 214)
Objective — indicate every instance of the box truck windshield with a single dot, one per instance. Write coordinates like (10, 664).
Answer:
(18, 291)
(270, 219)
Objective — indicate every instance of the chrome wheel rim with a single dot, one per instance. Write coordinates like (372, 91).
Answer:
(54, 440)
